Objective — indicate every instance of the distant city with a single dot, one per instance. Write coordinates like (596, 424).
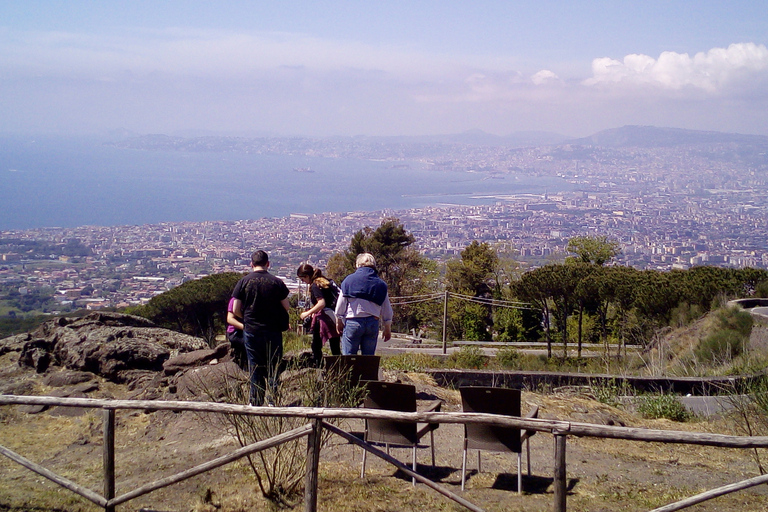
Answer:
(671, 198)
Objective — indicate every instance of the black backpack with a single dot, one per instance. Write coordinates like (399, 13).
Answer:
(333, 293)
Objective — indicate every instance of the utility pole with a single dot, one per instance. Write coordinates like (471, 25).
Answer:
(445, 322)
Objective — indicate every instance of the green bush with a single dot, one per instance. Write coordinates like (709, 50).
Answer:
(735, 319)
(198, 307)
(662, 406)
(409, 362)
(469, 356)
(729, 337)
(720, 346)
(608, 392)
(508, 357)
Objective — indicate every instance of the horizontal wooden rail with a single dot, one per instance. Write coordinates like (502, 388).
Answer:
(537, 424)
(560, 429)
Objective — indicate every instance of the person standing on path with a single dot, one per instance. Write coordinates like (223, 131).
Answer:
(261, 300)
(362, 307)
(323, 294)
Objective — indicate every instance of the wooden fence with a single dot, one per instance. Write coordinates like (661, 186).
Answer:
(313, 430)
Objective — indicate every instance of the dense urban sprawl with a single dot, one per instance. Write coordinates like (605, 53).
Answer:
(668, 207)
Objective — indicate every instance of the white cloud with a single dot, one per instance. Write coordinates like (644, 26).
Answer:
(544, 76)
(710, 71)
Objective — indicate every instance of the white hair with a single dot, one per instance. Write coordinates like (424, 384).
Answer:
(365, 259)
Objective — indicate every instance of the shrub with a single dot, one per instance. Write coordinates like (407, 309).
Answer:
(721, 346)
(662, 406)
(608, 392)
(409, 362)
(469, 356)
(198, 307)
(280, 470)
(508, 357)
(729, 337)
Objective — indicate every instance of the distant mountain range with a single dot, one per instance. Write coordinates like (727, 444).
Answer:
(651, 136)
(481, 138)
(624, 137)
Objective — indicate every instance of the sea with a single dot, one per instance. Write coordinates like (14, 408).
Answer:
(69, 182)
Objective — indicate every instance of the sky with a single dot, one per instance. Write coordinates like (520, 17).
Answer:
(342, 68)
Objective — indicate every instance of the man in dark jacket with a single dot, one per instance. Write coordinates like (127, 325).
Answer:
(261, 300)
(362, 306)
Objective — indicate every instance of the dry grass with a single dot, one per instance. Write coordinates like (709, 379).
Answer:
(605, 475)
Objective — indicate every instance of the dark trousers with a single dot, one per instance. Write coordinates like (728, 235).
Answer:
(265, 356)
(317, 345)
(237, 342)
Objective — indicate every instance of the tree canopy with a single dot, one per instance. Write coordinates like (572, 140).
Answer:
(196, 307)
(593, 249)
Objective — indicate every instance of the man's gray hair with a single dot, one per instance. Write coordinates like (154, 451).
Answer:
(365, 259)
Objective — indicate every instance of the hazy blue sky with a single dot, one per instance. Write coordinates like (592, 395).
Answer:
(382, 68)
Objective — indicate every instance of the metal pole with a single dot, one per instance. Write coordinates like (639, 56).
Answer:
(445, 322)
(109, 457)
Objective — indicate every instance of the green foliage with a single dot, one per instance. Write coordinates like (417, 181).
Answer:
(468, 357)
(509, 325)
(196, 307)
(720, 347)
(597, 250)
(728, 339)
(35, 300)
(508, 357)
(475, 274)
(684, 314)
(399, 264)
(735, 319)
(610, 392)
(390, 244)
(761, 290)
(409, 362)
(662, 406)
(11, 326)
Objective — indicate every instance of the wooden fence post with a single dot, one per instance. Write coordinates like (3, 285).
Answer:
(313, 464)
(560, 486)
(109, 457)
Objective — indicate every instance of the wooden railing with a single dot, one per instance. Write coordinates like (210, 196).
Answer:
(313, 430)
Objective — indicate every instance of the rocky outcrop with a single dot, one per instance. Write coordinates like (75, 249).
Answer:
(196, 358)
(111, 345)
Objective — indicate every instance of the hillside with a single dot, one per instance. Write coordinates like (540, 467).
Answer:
(652, 136)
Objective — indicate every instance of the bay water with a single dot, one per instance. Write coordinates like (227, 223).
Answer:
(67, 182)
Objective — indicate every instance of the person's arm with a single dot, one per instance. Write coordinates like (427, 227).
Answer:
(319, 306)
(341, 312)
(234, 321)
(237, 308)
(386, 319)
(286, 304)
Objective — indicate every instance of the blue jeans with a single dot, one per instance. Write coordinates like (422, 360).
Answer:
(265, 356)
(360, 334)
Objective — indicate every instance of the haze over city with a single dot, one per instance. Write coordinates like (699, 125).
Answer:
(389, 68)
